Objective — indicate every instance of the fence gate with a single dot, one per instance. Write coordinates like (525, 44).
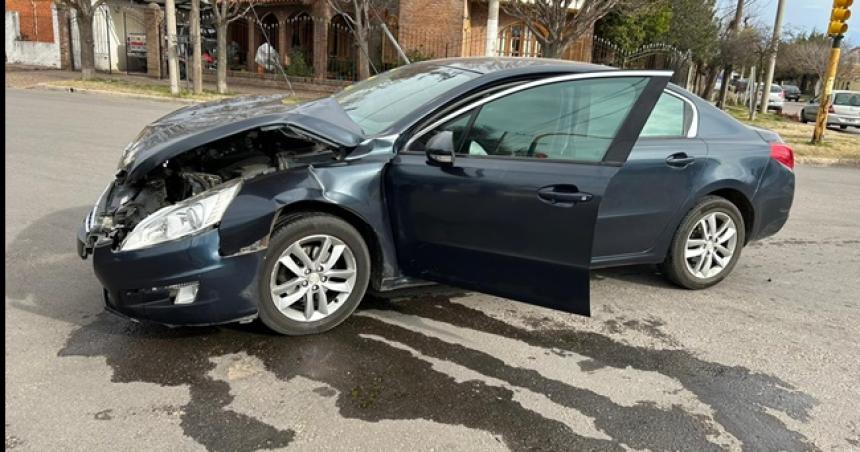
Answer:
(650, 56)
(135, 42)
(101, 39)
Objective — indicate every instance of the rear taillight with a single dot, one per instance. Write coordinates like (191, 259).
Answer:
(782, 94)
(830, 109)
(782, 154)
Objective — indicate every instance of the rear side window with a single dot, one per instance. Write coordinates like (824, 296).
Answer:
(847, 99)
(668, 119)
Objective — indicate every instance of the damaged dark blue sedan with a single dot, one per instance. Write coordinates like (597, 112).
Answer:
(512, 177)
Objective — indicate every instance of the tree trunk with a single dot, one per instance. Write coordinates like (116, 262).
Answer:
(222, 57)
(88, 57)
(196, 48)
(363, 60)
(710, 79)
(552, 49)
(724, 87)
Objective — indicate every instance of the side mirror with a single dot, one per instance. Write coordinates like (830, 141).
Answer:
(440, 148)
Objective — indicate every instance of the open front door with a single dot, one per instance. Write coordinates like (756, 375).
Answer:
(501, 196)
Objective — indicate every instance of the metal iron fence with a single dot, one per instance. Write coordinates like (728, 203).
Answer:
(649, 56)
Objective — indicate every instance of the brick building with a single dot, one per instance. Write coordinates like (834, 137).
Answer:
(35, 33)
(313, 32)
(35, 19)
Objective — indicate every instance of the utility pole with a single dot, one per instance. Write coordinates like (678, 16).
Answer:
(196, 48)
(172, 63)
(768, 78)
(492, 28)
(727, 71)
(836, 28)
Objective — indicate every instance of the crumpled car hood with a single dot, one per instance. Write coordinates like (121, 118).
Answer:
(321, 120)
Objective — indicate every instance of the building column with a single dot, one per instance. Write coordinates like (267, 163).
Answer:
(321, 18)
(152, 18)
(250, 64)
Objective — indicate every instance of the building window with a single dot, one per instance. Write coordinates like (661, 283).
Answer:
(517, 40)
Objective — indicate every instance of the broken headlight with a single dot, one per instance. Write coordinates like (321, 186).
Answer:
(184, 218)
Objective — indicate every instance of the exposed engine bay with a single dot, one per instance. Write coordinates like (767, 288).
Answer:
(244, 155)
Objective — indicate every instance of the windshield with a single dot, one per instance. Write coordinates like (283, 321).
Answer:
(376, 103)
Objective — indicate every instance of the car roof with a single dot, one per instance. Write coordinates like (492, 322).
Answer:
(486, 65)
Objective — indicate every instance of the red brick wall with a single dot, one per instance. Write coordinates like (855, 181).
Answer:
(435, 24)
(35, 19)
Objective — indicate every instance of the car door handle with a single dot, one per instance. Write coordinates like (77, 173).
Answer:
(563, 194)
(680, 160)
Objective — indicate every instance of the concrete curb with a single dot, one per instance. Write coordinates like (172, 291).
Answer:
(825, 161)
(72, 89)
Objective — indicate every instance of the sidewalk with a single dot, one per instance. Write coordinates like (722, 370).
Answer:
(21, 76)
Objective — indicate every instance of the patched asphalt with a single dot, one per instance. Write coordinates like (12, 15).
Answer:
(764, 361)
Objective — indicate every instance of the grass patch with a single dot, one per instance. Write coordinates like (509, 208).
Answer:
(130, 87)
(835, 144)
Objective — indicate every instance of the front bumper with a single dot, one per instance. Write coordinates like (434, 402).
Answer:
(136, 282)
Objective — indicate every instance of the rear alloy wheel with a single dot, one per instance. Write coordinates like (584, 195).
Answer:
(316, 272)
(707, 245)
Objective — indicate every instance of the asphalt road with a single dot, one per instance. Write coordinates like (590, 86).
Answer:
(767, 360)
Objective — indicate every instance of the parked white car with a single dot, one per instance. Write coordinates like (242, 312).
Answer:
(844, 109)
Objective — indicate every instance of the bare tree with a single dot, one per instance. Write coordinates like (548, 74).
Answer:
(86, 10)
(556, 25)
(812, 57)
(225, 12)
(359, 23)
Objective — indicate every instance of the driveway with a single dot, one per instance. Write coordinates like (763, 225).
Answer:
(767, 360)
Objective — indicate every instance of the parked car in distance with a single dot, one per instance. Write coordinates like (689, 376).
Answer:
(792, 93)
(775, 100)
(509, 176)
(844, 110)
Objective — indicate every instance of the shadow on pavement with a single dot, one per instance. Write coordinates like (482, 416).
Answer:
(376, 381)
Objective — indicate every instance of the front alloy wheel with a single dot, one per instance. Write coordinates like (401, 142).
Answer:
(316, 271)
(313, 278)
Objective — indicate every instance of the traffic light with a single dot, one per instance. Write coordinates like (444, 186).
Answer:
(838, 17)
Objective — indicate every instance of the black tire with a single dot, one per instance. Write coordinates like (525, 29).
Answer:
(675, 267)
(843, 127)
(293, 229)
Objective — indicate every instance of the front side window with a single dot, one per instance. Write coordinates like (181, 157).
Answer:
(668, 118)
(575, 120)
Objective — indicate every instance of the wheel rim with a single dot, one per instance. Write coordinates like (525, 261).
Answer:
(711, 245)
(313, 278)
